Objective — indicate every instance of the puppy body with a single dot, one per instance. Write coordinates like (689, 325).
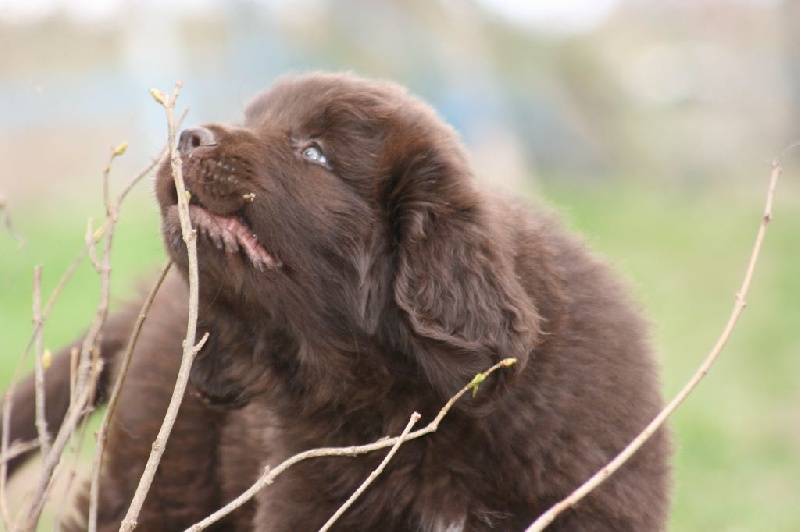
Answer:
(352, 273)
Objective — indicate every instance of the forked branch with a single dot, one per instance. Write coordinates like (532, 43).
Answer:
(269, 475)
(189, 347)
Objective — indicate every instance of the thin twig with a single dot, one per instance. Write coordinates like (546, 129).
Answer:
(90, 349)
(91, 342)
(739, 304)
(372, 476)
(70, 271)
(19, 448)
(54, 296)
(89, 241)
(7, 401)
(160, 443)
(189, 347)
(269, 475)
(102, 434)
(38, 372)
(33, 510)
(87, 247)
(78, 437)
(127, 356)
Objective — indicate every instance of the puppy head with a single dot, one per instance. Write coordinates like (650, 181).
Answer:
(344, 212)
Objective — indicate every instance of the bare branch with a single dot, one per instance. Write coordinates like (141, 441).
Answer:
(91, 343)
(739, 304)
(18, 448)
(70, 271)
(89, 241)
(372, 476)
(77, 439)
(33, 510)
(89, 348)
(87, 374)
(102, 434)
(269, 475)
(129, 522)
(41, 420)
(189, 347)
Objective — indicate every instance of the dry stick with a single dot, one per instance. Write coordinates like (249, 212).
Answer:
(112, 404)
(269, 475)
(372, 476)
(91, 342)
(38, 375)
(19, 448)
(189, 347)
(129, 522)
(36, 504)
(89, 240)
(739, 304)
(82, 253)
(76, 444)
(102, 435)
(7, 399)
(54, 296)
(89, 357)
(70, 271)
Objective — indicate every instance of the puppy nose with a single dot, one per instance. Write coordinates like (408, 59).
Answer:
(192, 138)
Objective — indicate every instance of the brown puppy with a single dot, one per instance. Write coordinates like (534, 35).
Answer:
(352, 272)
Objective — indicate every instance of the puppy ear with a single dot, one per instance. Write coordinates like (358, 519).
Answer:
(454, 278)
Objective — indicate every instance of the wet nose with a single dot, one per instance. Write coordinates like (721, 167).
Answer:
(195, 137)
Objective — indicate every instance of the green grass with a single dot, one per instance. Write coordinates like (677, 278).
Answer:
(53, 240)
(737, 438)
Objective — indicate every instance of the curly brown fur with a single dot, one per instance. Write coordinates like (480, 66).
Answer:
(352, 272)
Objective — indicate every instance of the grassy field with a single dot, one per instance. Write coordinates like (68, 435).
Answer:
(737, 438)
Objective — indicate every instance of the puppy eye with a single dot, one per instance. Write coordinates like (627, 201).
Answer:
(314, 154)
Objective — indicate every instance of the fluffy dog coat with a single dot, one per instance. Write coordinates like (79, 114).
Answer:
(352, 272)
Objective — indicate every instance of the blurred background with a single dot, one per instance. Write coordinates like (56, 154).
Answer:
(650, 124)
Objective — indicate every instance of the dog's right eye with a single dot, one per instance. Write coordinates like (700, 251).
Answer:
(314, 154)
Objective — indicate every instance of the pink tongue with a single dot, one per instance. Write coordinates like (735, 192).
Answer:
(230, 234)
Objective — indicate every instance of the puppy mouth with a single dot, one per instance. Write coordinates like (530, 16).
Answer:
(219, 188)
(231, 234)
